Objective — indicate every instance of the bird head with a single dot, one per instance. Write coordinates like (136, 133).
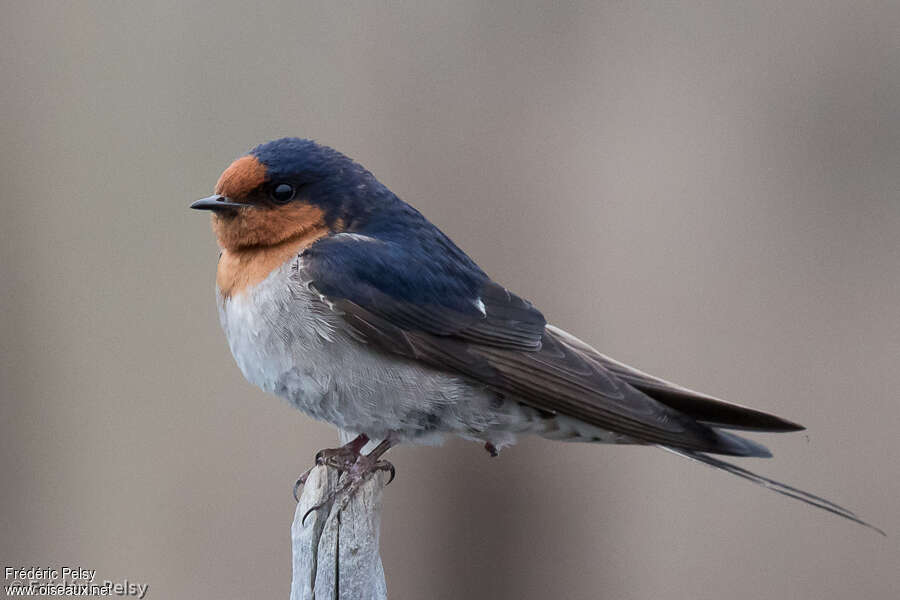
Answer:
(286, 189)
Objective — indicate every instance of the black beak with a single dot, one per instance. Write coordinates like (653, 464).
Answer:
(217, 202)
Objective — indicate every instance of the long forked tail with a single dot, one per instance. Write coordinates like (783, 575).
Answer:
(775, 486)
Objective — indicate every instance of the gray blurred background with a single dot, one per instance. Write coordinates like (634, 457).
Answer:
(710, 191)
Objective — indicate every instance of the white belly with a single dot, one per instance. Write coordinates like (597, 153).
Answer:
(287, 341)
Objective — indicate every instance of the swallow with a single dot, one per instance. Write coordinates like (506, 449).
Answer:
(345, 301)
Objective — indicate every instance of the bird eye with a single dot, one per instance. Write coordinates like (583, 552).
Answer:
(282, 193)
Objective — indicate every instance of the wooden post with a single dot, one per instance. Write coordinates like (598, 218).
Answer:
(336, 550)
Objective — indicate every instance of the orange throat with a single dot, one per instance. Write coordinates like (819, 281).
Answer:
(241, 269)
(256, 240)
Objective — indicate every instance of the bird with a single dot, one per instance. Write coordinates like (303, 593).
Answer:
(348, 303)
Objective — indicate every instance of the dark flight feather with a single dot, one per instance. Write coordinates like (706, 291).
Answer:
(398, 300)
(554, 379)
(703, 408)
(775, 486)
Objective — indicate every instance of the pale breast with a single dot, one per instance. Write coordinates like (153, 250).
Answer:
(288, 341)
(270, 325)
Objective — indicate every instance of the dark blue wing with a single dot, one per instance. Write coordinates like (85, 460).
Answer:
(419, 299)
(429, 287)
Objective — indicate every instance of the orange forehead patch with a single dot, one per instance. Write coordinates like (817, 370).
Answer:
(242, 177)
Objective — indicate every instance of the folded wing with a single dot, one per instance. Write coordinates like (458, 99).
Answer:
(402, 302)
(699, 406)
(448, 314)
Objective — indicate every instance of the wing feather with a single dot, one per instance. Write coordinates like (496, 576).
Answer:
(704, 408)
(432, 304)
(418, 303)
(555, 379)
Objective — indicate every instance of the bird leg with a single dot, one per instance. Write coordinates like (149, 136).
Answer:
(341, 458)
(363, 467)
(491, 449)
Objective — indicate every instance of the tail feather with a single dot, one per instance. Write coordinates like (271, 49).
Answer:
(775, 486)
(741, 446)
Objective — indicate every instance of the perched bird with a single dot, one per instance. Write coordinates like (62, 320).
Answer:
(344, 300)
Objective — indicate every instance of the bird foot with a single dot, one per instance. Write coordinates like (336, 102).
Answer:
(341, 459)
(354, 476)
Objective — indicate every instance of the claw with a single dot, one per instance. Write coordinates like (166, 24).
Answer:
(306, 514)
(392, 470)
(301, 481)
(297, 485)
(330, 498)
(312, 510)
(355, 467)
(340, 458)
